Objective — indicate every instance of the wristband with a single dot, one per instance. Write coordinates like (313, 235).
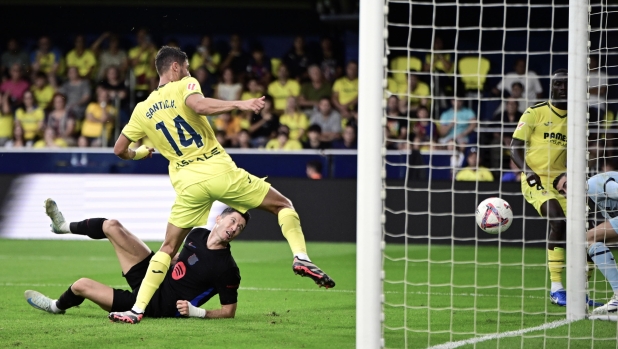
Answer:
(141, 153)
(195, 311)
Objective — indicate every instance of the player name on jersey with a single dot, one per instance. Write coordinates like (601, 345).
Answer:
(160, 106)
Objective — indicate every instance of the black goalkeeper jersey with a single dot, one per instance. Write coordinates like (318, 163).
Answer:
(197, 276)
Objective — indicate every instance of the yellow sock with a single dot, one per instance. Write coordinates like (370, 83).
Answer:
(157, 269)
(290, 227)
(555, 261)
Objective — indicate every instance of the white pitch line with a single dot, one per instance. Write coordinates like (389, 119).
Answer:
(546, 326)
(12, 284)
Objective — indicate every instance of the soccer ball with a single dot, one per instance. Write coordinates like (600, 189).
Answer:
(494, 215)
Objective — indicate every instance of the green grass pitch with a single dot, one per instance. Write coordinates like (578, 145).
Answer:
(280, 310)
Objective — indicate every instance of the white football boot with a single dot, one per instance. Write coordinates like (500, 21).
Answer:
(608, 308)
(39, 301)
(51, 209)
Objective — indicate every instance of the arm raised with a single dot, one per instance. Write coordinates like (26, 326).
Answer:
(211, 106)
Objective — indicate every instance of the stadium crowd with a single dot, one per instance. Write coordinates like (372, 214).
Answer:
(84, 95)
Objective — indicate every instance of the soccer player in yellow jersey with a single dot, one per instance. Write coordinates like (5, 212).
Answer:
(200, 170)
(539, 150)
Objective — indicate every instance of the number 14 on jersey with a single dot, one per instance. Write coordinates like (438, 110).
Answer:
(181, 127)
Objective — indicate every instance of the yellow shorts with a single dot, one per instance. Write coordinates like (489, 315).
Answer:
(238, 189)
(537, 196)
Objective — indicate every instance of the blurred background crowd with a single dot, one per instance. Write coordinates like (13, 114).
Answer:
(84, 94)
(438, 101)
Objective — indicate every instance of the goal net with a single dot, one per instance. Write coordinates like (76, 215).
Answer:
(457, 77)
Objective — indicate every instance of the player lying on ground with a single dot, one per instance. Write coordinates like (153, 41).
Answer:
(603, 190)
(205, 267)
(538, 148)
(200, 170)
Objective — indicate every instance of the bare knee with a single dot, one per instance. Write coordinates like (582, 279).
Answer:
(285, 203)
(81, 286)
(274, 202)
(111, 226)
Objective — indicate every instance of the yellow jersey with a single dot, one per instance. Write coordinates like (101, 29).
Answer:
(248, 95)
(291, 144)
(43, 96)
(280, 93)
(145, 69)
(47, 61)
(197, 61)
(421, 91)
(84, 63)
(94, 129)
(295, 122)
(437, 64)
(59, 142)
(30, 122)
(181, 135)
(6, 125)
(543, 128)
(347, 89)
(473, 175)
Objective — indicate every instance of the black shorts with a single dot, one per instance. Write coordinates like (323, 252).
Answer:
(123, 299)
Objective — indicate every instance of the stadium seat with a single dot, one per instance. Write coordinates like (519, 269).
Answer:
(274, 66)
(473, 72)
(400, 66)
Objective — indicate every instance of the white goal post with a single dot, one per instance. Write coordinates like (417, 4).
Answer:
(369, 202)
(576, 159)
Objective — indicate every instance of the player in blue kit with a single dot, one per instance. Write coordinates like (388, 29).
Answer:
(203, 268)
(603, 190)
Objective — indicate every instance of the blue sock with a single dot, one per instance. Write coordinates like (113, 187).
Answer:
(604, 259)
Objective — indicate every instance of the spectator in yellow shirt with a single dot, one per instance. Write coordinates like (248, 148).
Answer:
(417, 93)
(283, 141)
(205, 56)
(282, 88)
(30, 118)
(254, 90)
(473, 172)
(50, 140)
(44, 58)
(296, 121)
(42, 90)
(345, 90)
(141, 59)
(82, 58)
(98, 114)
(6, 121)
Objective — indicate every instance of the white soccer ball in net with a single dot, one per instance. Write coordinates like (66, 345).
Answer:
(494, 215)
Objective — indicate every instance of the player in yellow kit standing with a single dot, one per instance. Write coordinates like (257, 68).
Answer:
(539, 150)
(200, 170)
